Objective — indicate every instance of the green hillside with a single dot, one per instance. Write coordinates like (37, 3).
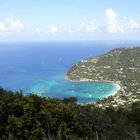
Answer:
(121, 65)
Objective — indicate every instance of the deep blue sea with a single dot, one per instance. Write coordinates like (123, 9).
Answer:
(39, 67)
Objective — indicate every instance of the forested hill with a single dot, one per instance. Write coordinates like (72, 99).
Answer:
(118, 64)
(121, 65)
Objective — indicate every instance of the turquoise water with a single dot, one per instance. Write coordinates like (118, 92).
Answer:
(40, 68)
(84, 91)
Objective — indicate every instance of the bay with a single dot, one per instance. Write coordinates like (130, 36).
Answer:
(39, 67)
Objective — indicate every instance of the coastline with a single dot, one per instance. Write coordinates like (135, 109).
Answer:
(113, 93)
(118, 88)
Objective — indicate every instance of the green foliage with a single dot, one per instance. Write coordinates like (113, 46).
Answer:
(71, 100)
(36, 118)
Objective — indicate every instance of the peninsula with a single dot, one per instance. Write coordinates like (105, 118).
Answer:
(121, 65)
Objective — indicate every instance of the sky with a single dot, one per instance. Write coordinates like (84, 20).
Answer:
(37, 20)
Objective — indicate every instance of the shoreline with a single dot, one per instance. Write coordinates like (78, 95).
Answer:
(116, 83)
(118, 88)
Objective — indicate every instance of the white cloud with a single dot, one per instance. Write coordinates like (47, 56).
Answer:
(54, 29)
(89, 26)
(14, 25)
(113, 25)
(2, 27)
(11, 24)
(133, 24)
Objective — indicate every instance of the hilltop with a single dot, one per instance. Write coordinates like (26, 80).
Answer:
(121, 65)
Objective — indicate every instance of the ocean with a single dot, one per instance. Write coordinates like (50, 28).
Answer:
(39, 68)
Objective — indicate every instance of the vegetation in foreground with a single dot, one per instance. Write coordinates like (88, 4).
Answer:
(36, 118)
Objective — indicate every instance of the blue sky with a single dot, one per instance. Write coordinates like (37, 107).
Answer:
(69, 20)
